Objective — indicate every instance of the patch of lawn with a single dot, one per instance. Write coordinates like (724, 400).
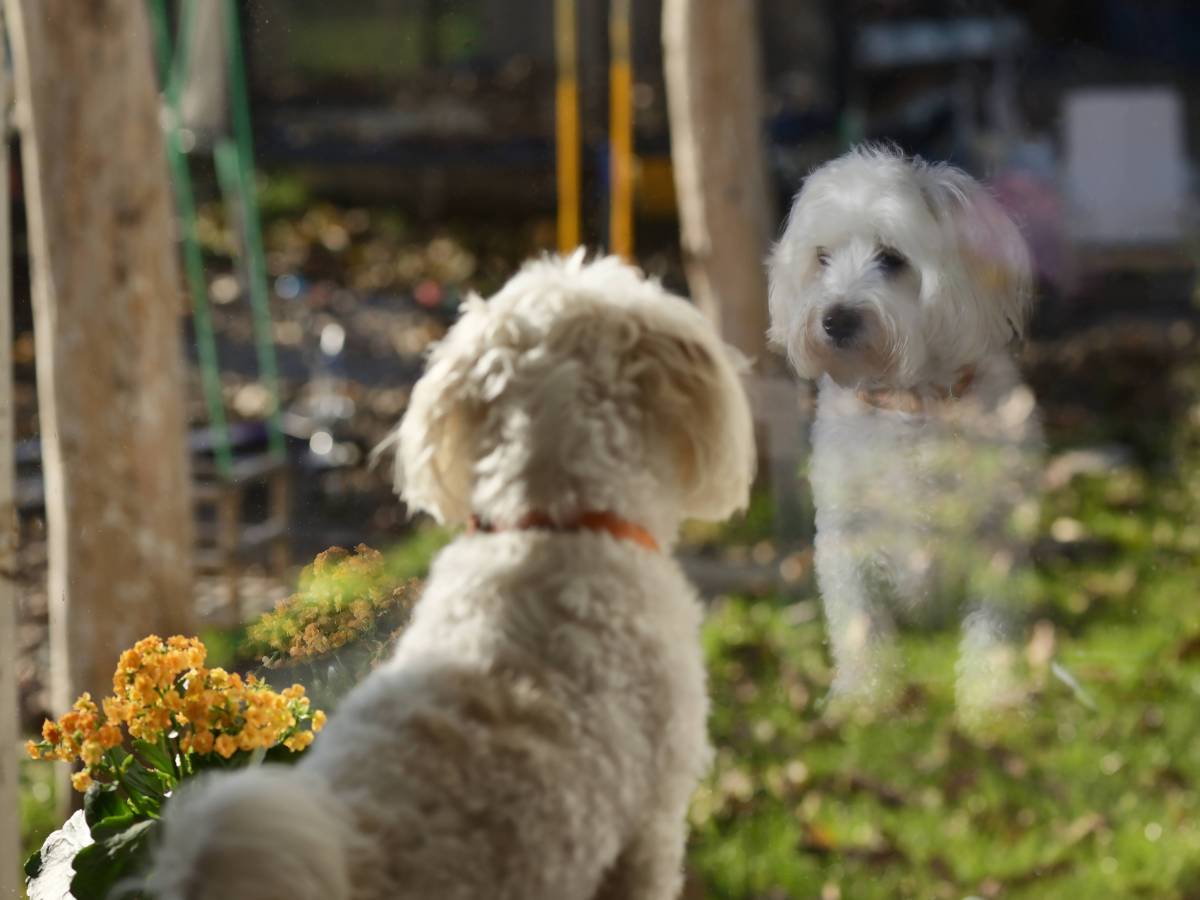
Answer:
(37, 802)
(1057, 801)
(411, 558)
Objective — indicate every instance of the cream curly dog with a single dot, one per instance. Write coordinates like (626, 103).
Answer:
(903, 287)
(541, 727)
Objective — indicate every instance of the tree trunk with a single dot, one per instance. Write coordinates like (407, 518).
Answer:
(10, 807)
(106, 302)
(714, 96)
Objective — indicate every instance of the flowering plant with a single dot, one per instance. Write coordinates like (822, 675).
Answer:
(348, 610)
(169, 717)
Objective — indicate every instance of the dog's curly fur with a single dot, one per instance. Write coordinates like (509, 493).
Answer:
(541, 726)
(903, 286)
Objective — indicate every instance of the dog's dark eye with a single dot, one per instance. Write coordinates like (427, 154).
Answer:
(822, 256)
(890, 260)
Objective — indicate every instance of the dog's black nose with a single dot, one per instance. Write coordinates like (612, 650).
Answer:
(841, 323)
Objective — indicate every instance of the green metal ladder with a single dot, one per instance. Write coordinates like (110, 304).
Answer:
(222, 484)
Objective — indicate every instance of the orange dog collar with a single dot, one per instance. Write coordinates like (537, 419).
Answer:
(622, 529)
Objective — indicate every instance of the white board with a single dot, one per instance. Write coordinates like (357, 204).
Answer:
(1126, 173)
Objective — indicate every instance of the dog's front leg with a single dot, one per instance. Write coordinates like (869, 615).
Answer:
(860, 629)
(987, 663)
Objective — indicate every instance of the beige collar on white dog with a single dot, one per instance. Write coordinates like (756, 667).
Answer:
(918, 400)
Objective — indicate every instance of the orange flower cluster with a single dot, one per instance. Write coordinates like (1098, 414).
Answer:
(343, 597)
(80, 734)
(163, 694)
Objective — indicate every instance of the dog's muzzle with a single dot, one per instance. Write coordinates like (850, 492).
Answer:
(842, 323)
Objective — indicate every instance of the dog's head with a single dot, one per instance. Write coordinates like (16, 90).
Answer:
(891, 271)
(578, 386)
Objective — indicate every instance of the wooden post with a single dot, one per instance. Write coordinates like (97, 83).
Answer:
(106, 302)
(566, 124)
(10, 808)
(620, 130)
(712, 68)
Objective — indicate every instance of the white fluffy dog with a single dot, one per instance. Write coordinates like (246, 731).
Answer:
(903, 287)
(541, 727)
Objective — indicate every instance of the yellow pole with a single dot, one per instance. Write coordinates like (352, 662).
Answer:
(620, 130)
(566, 105)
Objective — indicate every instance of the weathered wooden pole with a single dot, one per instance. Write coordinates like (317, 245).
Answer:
(714, 97)
(566, 125)
(620, 129)
(107, 304)
(10, 807)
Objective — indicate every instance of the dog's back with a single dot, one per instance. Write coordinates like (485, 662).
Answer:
(546, 701)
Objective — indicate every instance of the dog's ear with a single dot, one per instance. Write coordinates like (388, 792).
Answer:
(790, 265)
(997, 268)
(433, 468)
(695, 405)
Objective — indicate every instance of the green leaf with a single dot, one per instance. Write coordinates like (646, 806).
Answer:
(112, 825)
(205, 762)
(281, 754)
(103, 801)
(156, 756)
(33, 864)
(99, 867)
(148, 786)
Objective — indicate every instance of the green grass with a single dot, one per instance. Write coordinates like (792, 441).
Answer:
(1058, 801)
(756, 523)
(371, 47)
(412, 557)
(37, 801)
